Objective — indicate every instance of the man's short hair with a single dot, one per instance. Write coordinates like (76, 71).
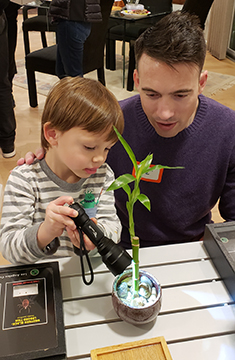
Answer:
(177, 38)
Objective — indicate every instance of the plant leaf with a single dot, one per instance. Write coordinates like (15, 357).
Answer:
(144, 165)
(121, 181)
(151, 168)
(127, 189)
(128, 206)
(127, 148)
(145, 201)
(134, 195)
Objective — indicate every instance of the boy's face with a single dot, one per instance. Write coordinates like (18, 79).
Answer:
(169, 96)
(76, 153)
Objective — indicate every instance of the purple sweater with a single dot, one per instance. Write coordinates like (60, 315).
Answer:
(182, 200)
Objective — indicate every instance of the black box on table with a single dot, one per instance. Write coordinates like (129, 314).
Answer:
(31, 312)
(219, 240)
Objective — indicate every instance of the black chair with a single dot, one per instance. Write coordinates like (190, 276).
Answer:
(39, 23)
(132, 32)
(110, 52)
(44, 60)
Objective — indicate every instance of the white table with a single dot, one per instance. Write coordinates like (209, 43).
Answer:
(197, 317)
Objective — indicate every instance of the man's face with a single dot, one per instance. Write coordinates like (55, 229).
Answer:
(169, 96)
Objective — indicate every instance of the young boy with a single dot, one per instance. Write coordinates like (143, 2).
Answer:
(77, 134)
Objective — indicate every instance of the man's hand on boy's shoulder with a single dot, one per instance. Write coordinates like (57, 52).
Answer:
(30, 157)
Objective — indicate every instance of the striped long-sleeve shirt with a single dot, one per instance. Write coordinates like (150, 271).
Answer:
(29, 190)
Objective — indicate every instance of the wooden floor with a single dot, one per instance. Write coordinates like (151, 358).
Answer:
(28, 119)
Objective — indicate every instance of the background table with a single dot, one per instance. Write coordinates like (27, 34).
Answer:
(197, 317)
(155, 12)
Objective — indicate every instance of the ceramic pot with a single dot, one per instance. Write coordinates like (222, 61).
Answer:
(136, 315)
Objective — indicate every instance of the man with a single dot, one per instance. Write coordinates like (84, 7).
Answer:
(181, 128)
(171, 119)
(74, 25)
(11, 12)
(7, 116)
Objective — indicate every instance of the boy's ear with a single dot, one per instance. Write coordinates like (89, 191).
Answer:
(50, 134)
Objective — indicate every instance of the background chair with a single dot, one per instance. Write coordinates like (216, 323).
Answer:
(44, 59)
(132, 32)
(40, 23)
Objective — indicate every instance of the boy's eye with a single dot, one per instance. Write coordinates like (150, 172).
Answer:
(89, 147)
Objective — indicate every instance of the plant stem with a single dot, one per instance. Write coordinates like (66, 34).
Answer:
(134, 239)
(135, 271)
(131, 220)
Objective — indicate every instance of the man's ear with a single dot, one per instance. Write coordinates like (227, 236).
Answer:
(136, 79)
(50, 134)
(202, 81)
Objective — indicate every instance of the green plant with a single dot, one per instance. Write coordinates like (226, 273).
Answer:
(123, 182)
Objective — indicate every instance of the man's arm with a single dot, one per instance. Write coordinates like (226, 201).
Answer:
(227, 198)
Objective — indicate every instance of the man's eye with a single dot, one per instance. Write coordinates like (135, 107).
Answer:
(152, 95)
(181, 96)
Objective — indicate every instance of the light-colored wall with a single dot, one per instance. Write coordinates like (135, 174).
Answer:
(220, 25)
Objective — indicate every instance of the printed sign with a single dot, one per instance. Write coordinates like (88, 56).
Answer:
(31, 315)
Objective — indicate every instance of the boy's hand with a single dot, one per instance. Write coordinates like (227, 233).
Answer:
(56, 220)
(75, 238)
(30, 157)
